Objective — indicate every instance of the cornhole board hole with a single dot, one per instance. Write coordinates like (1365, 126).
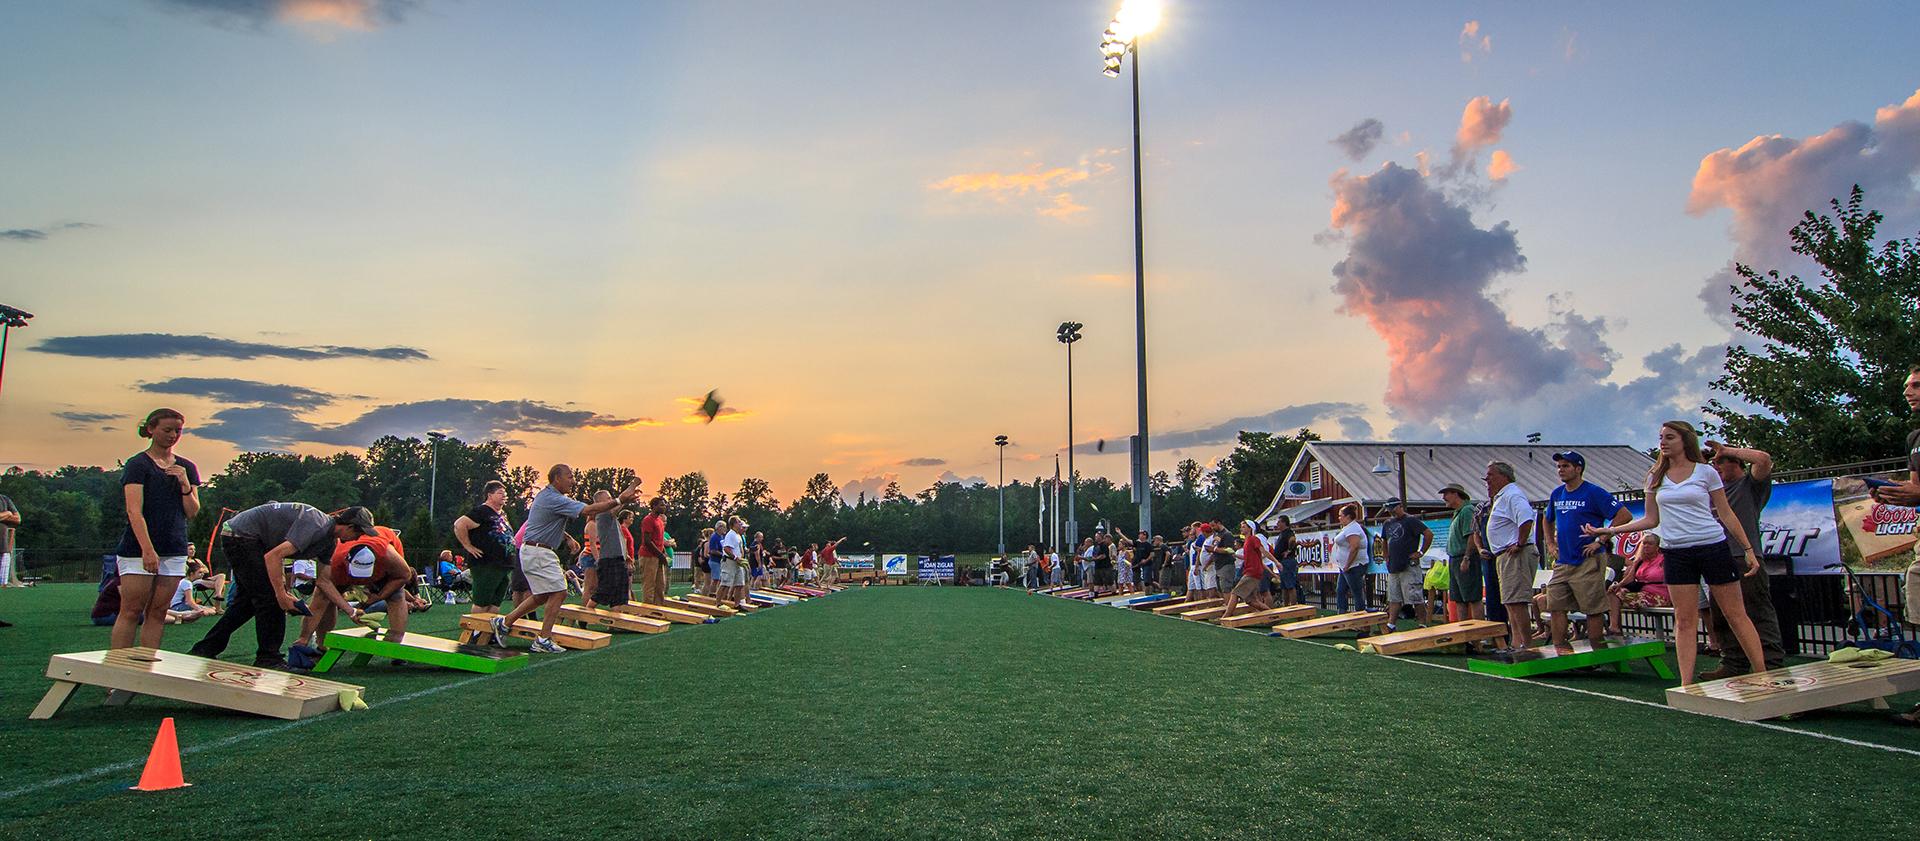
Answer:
(1437, 636)
(1183, 607)
(711, 610)
(1265, 618)
(1358, 621)
(478, 628)
(1141, 601)
(678, 616)
(1546, 659)
(184, 677)
(1797, 689)
(584, 616)
(365, 644)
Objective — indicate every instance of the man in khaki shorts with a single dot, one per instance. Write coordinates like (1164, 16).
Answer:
(546, 537)
(1510, 540)
(1579, 579)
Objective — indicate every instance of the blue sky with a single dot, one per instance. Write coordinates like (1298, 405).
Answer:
(861, 221)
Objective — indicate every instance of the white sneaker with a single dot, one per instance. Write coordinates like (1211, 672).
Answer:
(500, 632)
(545, 646)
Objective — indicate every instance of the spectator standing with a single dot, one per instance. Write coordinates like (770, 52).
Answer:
(1510, 542)
(484, 534)
(1579, 580)
(1286, 551)
(162, 492)
(1407, 540)
(652, 552)
(614, 586)
(1748, 475)
(9, 519)
(1463, 573)
(1351, 556)
(1688, 502)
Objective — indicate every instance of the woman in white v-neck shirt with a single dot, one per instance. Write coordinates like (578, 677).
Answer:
(1688, 502)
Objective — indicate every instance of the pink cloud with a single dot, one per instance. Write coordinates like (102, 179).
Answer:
(1501, 165)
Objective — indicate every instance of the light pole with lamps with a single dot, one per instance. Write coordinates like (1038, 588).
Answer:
(1068, 334)
(9, 319)
(1000, 443)
(1135, 18)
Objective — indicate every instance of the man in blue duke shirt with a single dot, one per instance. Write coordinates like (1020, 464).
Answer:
(1579, 579)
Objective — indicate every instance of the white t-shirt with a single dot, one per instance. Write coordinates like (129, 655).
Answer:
(1686, 509)
(180, 592)
(1510, 510)
(731, 541)
(1344, 555)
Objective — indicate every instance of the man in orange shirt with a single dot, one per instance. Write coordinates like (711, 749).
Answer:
(376, 562)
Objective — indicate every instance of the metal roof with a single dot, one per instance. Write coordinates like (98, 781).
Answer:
(1615, 467)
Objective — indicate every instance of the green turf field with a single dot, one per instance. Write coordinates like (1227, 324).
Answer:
(907, 712)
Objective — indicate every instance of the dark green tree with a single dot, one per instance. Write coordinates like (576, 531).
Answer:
(1826, 376)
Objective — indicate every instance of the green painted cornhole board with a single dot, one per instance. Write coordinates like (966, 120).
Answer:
(418, 648)
(1547, 659)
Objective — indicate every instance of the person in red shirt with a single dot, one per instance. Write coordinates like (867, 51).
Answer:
(652, 553)
(1252, 590)
(376, 563)
(806, 565)
(830, 562)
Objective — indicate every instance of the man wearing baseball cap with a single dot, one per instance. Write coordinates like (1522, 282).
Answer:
(1464, 585)
(258, 543)
(1407, 539)
(1579, 580)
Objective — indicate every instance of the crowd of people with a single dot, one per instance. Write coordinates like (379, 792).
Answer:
(292, 559)
(1696, 555)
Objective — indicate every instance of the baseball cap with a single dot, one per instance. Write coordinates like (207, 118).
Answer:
(1393, 502)
(1572, 457)
(359, 518)
(360, 562)
(1456, 487)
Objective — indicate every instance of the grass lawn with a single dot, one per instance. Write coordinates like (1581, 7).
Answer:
(907, 712)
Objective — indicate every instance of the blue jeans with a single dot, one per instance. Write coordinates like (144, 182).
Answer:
(1490, 575)
(1352, 581)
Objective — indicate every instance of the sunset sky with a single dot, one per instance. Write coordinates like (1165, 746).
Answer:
(308, 223)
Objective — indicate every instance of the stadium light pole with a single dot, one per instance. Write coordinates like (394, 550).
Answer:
(1000, 442)
(1135, 19)
(1068, 334)
(9, 319)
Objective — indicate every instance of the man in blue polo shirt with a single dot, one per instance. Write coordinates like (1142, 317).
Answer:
(1579, 580)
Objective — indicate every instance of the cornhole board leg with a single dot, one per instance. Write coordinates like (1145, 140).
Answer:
(56, 698)
(326, 661)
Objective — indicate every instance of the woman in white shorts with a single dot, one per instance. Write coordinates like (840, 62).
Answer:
(162, 494)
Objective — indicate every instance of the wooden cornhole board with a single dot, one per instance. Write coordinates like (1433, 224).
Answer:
(478, 628)
(1264, 618)
(1204, 614)
(365, 644)
(1547, 659)
(584, 616)
(676, 615)
(1797, 689)
(1183, 607)
(713, 602)
(1115, 597)
(768, 598)
(806, 591)
(714, 610)
(798, 594)
(184, 677)
(1074, 593)
(1437, 636)
(1359, 621)
(1138, 600)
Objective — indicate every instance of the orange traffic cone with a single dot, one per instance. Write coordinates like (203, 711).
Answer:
(163, 762)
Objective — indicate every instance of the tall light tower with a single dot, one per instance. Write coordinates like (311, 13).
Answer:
(9, 319)
(1135, 19)
(1000, 443)
(1068, 334)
